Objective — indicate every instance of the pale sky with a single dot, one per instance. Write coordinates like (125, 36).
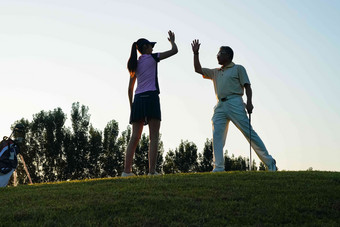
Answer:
(54, 53)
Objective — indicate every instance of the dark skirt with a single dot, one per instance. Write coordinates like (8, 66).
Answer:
(145, 106)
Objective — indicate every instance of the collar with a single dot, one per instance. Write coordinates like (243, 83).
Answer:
(143, 56)
(228, 66)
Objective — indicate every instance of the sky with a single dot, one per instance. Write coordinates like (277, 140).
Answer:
(57, 52)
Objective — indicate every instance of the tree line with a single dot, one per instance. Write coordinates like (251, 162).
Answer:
(54, 152)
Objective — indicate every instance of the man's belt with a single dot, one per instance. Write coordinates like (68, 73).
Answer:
(229, 97)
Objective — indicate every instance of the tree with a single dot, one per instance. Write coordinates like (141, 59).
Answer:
(113, 159)
(206, 160)
(141, 161)
(46, 142)
(262, 167)
(95, 152)
(169, 165)
(37, 142)
(28, 154)
(59, 119)
(186, 157)
(228, 162)
(159, 164)
(78, 152)
(70, 157)
(54, 136)
(253, 165)
(141, 164)
(43, 147)
(122, 143)
(237, 164)
(53, 152)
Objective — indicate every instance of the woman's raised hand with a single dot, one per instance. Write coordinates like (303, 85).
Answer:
(171, 37)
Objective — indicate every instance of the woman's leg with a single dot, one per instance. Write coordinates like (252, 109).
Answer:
(137, 128)
(154, 125)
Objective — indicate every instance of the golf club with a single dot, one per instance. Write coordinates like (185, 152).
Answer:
(250, 161)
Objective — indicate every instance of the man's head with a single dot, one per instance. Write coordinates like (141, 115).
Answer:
(225, 55)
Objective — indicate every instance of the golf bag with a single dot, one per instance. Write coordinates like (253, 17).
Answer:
(8, 160)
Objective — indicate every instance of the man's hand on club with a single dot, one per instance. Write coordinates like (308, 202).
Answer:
(249, 107)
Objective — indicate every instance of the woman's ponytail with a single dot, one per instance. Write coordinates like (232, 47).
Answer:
(132, 63)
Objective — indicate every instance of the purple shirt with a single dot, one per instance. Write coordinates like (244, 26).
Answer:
(146, 73)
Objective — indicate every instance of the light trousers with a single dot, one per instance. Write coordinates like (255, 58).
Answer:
(234, 110)
(5, 178)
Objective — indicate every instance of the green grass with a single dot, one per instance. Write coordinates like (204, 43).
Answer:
(205, 199)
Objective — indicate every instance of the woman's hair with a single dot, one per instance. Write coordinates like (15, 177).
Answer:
(132, 63)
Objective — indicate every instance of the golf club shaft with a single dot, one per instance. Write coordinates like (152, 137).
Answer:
(250, 161)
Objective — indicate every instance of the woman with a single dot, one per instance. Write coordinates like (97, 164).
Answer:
(145, 108)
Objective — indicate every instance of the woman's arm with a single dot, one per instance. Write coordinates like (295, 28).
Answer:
(174, 49)
(130, 90)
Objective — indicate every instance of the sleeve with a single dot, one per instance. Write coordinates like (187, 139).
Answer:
(242, 73)
(156, 57)
(208, 73)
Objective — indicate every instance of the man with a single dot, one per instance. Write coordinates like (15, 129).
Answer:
(229, 82)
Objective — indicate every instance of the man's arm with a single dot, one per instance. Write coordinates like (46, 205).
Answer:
(195, 48)
(174, 49)
(249, 94)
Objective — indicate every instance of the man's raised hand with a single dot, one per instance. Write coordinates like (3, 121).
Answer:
(195, 46)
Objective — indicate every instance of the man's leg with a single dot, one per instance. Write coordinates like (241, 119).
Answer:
(239, 117)
(220, 128)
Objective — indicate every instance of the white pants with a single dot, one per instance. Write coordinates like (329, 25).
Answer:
(233, 110)
(5, 178)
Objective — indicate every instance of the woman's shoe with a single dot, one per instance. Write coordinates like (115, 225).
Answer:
(128, 174)
(154, 174)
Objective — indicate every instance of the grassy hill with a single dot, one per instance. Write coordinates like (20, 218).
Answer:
(205, 199)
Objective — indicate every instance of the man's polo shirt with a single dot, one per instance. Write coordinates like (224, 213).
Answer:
(229, 80)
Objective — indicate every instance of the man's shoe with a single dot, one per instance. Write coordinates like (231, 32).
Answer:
(218, 170)
(272, 167)
(154, 174)
(128, 174)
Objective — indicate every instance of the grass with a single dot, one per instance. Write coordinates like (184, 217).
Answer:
(204, 199)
